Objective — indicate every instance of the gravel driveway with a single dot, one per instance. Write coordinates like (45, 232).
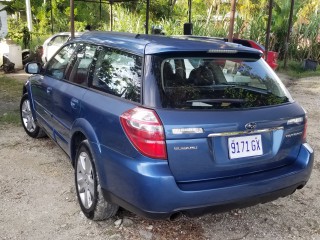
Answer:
(38, 199)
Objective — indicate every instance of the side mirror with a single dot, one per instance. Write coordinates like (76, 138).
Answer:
(32, 68)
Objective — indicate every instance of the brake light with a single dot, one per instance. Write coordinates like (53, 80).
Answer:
(304, 135)
(145, 131)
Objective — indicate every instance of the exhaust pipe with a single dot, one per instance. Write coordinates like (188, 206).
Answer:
(301, 186)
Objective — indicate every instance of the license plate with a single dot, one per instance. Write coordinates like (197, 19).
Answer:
(246, 146)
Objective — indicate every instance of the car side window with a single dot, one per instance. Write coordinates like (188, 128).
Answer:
(80, 65)
(118, 73)
(57, 65)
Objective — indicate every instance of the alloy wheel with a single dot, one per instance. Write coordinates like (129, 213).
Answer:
(85, 180)
(27, 117)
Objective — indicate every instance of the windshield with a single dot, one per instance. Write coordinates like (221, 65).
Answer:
(215, 83)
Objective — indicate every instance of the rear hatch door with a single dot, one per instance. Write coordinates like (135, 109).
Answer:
(204, 145)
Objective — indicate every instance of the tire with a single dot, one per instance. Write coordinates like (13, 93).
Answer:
(25, 54)
(88, 188)
(29, 124)
(25, 57)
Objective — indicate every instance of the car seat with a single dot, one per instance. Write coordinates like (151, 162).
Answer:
(168, 75)
(201, 76)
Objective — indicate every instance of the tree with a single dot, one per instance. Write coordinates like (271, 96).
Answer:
(280, 23)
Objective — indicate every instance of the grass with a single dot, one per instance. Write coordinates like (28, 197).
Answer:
(10, 89)
(12, 117)
(10, 94)
(295, 70)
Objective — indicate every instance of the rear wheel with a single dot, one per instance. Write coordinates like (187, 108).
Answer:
(89, 192)
(29, 124)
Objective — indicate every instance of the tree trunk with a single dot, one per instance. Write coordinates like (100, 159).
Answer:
(232, 17)
(209, 15)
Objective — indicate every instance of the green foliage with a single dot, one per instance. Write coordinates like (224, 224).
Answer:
(126, 21)
(257, 28)
(159, 10)
(43, 19)
(12, 7)
(209, 18)
(170, 26)
(93, 15)
(306, 38)
(15, 32)
(295, 70)
(215, 30)
(281, 22)
(253, 99)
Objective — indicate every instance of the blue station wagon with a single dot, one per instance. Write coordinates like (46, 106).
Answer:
(164, 126)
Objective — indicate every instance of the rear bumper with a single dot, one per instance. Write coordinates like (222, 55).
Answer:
(149, 189)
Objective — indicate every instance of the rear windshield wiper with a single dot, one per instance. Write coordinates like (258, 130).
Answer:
(218, 100)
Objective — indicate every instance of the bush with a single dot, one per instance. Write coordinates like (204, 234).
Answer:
(296, 70)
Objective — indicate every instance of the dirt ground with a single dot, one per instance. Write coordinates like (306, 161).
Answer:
(38, 199)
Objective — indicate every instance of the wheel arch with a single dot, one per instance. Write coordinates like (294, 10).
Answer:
(82, 130)
(26, 89)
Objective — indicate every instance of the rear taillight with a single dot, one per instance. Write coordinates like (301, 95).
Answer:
(145, 131)
(304, 135)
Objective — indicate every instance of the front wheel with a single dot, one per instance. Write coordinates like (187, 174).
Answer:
(89, 192)
(29, 124)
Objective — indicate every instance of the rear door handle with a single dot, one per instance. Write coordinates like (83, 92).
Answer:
(74, 103)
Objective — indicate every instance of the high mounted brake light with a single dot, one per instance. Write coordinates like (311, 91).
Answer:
(222, 51)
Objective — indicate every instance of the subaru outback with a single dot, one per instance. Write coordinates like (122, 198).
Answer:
(163, 126)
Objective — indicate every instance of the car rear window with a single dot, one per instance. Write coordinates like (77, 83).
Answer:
(216, 83)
